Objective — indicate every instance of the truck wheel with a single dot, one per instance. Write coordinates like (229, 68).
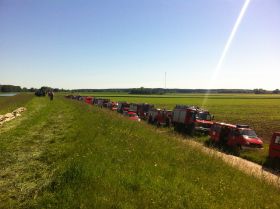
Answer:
(237, 149)
(167, 124)
(190, 129)
(191, 132)
(180, 128)
(175, 127)
(158, 124)
(155, 121)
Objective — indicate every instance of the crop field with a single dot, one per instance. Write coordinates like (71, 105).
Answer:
(261, 112)
(67, 154)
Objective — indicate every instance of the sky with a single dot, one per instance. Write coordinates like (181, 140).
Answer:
(132, 43)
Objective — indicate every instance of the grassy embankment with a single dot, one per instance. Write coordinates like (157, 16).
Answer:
(261, 112)
(66, 154)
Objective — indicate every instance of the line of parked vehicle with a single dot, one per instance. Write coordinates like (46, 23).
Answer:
(190, 119)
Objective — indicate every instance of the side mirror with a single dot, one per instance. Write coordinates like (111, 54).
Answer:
(213, 117)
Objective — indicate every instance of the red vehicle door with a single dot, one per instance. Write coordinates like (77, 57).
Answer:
(233, 138)
(189, 117)
(274, 148)
(215, 132)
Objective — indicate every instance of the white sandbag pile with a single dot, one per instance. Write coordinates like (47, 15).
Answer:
(10, 116)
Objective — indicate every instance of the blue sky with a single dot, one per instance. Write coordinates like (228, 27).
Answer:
(130, 43)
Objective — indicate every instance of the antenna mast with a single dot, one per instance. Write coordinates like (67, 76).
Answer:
(165, 81)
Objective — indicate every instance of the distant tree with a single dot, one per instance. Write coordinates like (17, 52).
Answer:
(259, 91)
(276, 91)
(140, 90)
(32, 89)
(46, 89)
(24, 89)
(10, 88)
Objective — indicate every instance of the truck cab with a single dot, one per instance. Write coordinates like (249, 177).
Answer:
(274, 147)
(123, 106)
(133, 116)
(101, 102)
(153, 115)
(141, 109)
(112, 106)
(161, 117)
(203, 121)
(241, 136)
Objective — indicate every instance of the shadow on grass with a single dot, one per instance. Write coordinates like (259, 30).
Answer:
(236, 151)
(272, 165)
(268, 164)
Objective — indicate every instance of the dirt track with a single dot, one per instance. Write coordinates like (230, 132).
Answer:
(241, 164)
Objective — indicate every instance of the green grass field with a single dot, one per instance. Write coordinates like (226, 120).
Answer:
(67, 154)
(8, 104)
(261, 112)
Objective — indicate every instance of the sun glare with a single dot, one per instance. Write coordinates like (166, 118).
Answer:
(225, 50)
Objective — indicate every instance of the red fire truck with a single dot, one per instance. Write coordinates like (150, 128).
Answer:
(141, 109)
(89, 100)
(112, 106)
(239, 136)
(274, 147)
(160, 117)
(101, 102)
(123, 106)
(191, 118)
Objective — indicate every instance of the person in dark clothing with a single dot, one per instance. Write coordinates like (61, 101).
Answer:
(51, 94)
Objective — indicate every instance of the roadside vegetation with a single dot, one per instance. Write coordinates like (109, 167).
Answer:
(67, 154)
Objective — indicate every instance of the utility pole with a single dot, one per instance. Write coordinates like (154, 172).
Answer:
(165, 81)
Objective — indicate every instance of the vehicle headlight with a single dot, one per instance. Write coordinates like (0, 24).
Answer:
(246, 137)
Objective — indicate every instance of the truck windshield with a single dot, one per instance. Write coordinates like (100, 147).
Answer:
(249, 133)
(203, 116)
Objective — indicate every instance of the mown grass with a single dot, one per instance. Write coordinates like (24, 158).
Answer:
(261, 112)
(66, 154)
(8, 104)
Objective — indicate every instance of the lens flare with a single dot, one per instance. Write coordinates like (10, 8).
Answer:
(226, 48)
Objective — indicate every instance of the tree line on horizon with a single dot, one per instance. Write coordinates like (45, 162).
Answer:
(12, 88)
(141, 90)
(146, 91)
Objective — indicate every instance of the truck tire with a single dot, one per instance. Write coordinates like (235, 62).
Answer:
(237, 149)
(158, 124)
(167, 123)
(175, 127)
(190, 129)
